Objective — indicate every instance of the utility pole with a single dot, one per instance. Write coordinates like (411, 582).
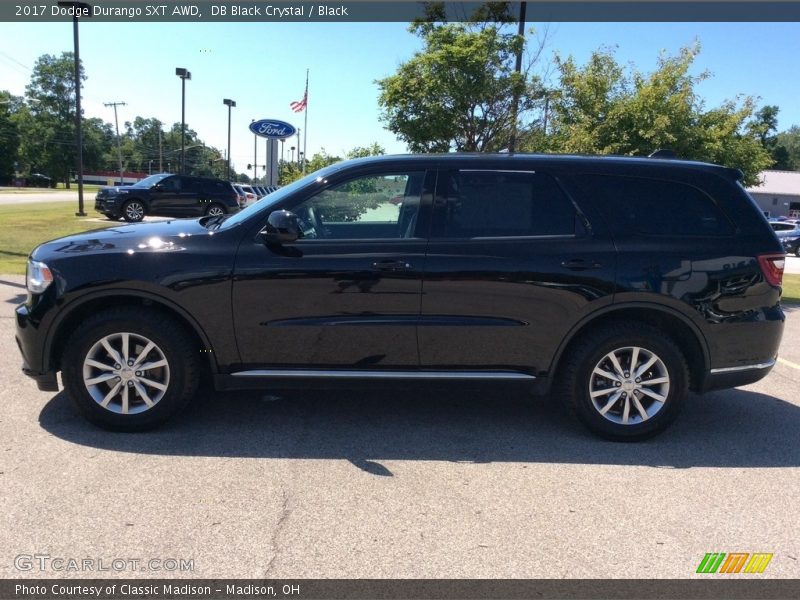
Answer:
(160, 152)
(518, 69)
(119, 143)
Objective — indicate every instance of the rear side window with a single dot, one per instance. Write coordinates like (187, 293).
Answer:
(474, 204)
(655, 207)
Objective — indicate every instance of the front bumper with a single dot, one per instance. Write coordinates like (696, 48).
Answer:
(106, 206)
(30, 344)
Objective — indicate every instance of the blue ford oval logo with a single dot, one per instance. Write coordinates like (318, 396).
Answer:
(272, 128)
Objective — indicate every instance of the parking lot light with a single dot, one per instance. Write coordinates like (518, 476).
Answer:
(184, 74)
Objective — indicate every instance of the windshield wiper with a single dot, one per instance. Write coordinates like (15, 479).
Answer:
(213, 222)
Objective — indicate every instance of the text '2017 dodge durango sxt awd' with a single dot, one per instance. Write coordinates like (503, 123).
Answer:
(615, 284)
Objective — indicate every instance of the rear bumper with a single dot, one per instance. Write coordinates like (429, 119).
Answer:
(731, 377)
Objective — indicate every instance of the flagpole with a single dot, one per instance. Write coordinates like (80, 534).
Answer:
(305, 128)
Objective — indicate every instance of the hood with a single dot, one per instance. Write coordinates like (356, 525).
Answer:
(162, 236)
(113, 189)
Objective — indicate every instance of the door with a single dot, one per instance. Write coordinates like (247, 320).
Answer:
(165, 195)
(512, 264)
(347, 294)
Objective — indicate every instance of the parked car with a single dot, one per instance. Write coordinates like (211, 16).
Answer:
(616, 285)
(242, 197)
(167, 195)
(782, 226)
(250, 195)
(791, 244)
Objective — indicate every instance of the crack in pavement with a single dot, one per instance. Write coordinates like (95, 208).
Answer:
(285, 512)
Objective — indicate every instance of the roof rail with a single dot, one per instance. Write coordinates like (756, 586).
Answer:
(663, 153)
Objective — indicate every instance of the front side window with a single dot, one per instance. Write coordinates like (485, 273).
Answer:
(171, 184)
(476, 204)
(383, 206)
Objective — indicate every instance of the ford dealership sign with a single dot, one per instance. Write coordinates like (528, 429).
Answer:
(272, 129)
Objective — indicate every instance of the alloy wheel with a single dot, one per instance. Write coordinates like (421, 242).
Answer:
(629, 385)
(126, 373)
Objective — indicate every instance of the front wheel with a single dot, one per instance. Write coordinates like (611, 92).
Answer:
(128, 369)
(133, 211)
(625, 382)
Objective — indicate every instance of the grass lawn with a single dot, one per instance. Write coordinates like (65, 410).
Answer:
(25, 226)
(87, 187)
(791, 288)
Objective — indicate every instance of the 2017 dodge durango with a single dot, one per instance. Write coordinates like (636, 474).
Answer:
(616, 285)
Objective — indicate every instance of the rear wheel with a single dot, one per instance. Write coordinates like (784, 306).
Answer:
(129, 370)
(133, 211)
(625, 382)
(215, 210)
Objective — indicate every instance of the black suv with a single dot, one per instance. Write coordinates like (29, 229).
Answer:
(615, 284)
(168, 195)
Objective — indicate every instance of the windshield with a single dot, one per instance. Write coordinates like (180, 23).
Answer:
(152, 180)
(265, 206)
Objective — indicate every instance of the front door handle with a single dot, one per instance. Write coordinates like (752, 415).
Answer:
(581, 264)
(391, 265)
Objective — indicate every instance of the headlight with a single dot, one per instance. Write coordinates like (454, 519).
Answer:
(37, 276)
(123, 191)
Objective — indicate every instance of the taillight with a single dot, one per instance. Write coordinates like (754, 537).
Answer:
(772, 267)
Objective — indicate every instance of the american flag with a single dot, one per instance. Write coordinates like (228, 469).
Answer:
(300, 105)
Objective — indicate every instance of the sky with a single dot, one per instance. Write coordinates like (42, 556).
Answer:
(262, 66)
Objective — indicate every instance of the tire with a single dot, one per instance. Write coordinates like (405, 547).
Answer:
(133, 211)
(215, 209)
(591, 395)
(797, 250)
(95, 379)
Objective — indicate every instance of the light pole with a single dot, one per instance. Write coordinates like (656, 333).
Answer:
(184, 75)
(292, 149)
(119, 145)
(255, 154)
(230, 104)
(84, 10)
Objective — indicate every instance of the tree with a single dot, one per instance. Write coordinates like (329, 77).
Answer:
(9, 135)
(48, 131)
(458, 92)
(600, 108)
(787, 149)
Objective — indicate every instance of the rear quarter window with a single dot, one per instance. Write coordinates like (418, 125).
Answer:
(652, 207)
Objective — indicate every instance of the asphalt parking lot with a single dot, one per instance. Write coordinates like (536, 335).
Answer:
(464, 483)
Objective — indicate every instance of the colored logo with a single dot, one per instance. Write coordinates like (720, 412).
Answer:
(272, 129)
(734, 562)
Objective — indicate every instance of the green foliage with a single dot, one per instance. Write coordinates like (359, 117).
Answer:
(458, 92)
(290, 171)
(602, 108)
(787, 149)
(47, 128)
(9, 135)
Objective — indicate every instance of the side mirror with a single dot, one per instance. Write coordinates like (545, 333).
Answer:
(282, 228)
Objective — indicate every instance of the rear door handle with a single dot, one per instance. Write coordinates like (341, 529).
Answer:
(581, 264)
(391, 265)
